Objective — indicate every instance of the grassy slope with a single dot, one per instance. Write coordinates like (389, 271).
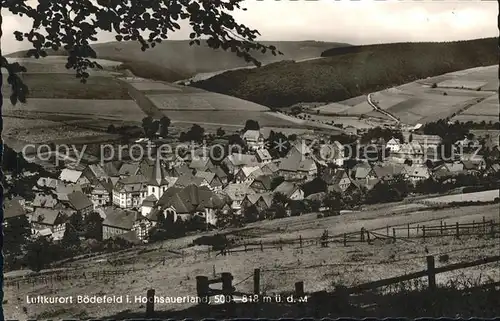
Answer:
(351, 71)
(175, 60)
(67, 86)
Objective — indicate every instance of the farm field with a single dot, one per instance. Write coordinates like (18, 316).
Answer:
(83, 108)
(319, 268)
(226, 118)
(333, 108)
(487, 110)
(464, 95)
(57, 64)
(67, 86)
(485, 196)
(203, 101)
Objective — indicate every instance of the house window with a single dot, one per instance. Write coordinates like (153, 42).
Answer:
(154, 190)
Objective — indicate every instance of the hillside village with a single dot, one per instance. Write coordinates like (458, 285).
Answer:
(158, 198)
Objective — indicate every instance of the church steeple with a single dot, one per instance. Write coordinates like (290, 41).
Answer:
(158, 174)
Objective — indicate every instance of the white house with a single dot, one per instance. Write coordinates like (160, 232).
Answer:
(130, 191)
(254, 139)
(291, 190)
(394, 145)
(74, 176)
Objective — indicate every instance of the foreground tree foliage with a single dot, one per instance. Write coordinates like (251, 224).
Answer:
(71, 25)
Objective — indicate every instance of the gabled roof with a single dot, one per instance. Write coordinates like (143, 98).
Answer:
(42, 200)
(200, 163)
(247, 170)
(417, 171)
(106, 185)
(470, 165)
(269, 168)
(242, 159)
(120, 218)
(131, 184)
(70, 175)
(393, 141)
(181, 170)
(237, 191)
(362, 171)
(265, 180)
(48, 216)
(267, 198)
(98, 171)
(129, 169)
(334, 179)
(295, 162)
(12, 208)
(190, 179)
(112, 168)
(62, 191)
(218, 171)
(252, 198)
(252, 135)
(208, 176)
(263, 154)
(79, 201)
(388, 170)
(192, 198)
(286, 188)
(149, 200)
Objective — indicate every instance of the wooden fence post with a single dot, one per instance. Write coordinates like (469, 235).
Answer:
(387, 230)
(300, 240)
(245, 247)
(214, 274)
(261, 246)
(150, 304)
(299, 294)
(368, 237)
(362, 234)
(484, 225)
(228, 290)
(299, 289)
(256, 281)
(393, 235)
(408, 228)
(423, 232)
(445, 229)
(492, 228)
(457, 227)
(418, 227)
(441, 227)
(345, 239)
(202, 289)
(431, 272)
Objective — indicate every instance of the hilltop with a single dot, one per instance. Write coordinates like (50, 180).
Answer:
(176, 60)
(352, 71)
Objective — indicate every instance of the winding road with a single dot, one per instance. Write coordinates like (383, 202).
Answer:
(380, 110)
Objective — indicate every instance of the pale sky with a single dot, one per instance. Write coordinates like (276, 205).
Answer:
(355, 22)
